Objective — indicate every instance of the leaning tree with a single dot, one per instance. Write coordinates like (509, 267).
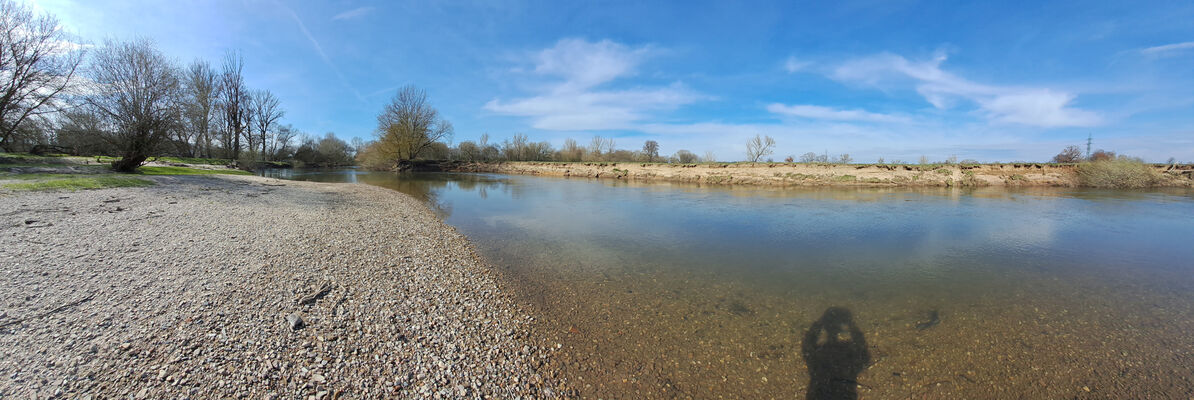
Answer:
(138, 93)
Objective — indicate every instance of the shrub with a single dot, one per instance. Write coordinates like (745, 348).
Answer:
(1122, 173)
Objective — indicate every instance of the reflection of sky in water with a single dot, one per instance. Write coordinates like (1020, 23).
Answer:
(772, 234)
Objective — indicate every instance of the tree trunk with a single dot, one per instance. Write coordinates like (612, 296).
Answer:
(128, 163)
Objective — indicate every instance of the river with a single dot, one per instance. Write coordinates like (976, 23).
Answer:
(662, 290)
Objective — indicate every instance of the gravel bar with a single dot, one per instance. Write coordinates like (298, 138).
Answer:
(247, 287)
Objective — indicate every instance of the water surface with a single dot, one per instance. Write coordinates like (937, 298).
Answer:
(658, 290)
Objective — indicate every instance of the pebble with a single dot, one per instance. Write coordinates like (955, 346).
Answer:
(412, 312)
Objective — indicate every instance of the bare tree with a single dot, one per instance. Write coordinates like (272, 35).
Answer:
(138, 93)
(844, 159)
(709, 157)
(758, 147)
(651, 150)
(234, 102)
(280, 147)
(1071, 154)
(266, 112)
(808, 157)
(201, 88)
(409, 125)
(571, 151)
(37, 63)
(685, 157)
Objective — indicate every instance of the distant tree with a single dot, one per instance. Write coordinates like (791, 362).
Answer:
(709, 157)
(266, 111)
(1071, 154)
(37, 63)
(924, 160)
(808, 157)
(138, 94)
(789, 159)
(651, 150)
(201, 88)
(82, 131)
(1102, 155)
(408, 125)
(600, 147)
(758, 147)
(844, 159)
(469, 151)
(437, 151)
(571, 151)
(685, 157)
(234, 102)
(516, 149)
(880, 160)
(333, 151)
(283, 137)
(357, 144)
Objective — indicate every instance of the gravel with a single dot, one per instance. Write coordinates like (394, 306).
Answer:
(240, 286)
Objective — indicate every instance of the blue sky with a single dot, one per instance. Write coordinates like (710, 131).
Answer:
(894, 79)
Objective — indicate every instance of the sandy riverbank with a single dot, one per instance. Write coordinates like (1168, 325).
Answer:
(183, 289)
(801, 174)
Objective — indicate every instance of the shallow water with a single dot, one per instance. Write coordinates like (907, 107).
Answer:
(674, 290)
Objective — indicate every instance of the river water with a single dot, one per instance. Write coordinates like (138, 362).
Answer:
(660, 290)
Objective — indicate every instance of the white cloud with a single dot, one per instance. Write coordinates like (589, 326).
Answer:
(584, 64)
(1155, 50)
(827, 113)
(353, 13)
(792, 65)
(572, 100)
(1018, 105)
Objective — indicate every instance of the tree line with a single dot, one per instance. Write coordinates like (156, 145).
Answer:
(128, 99)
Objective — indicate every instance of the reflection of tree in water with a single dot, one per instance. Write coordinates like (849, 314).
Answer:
(836, 353)
(429, 187)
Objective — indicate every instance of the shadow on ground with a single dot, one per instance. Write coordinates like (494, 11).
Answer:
(836, 352)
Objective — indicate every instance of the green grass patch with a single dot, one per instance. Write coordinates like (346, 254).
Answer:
(943, 171)
(36, 176)
(189, 171)
(194, 160)
(79, 182)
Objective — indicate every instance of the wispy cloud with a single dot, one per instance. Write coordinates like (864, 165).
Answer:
(794, 65)
(1041, 107)
(319, 50)
(832, 114)
(572, 98)
(353, 13)
(1169, 48)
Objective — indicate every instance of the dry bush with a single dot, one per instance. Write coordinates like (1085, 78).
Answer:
(1122, 173)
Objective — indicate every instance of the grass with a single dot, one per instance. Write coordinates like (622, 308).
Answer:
(29, 177)
(194, 160)
(78, 182)
(845, 178)
(189, 171)
(71, 182)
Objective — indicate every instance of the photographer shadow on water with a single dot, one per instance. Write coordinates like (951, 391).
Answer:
(836, 353)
